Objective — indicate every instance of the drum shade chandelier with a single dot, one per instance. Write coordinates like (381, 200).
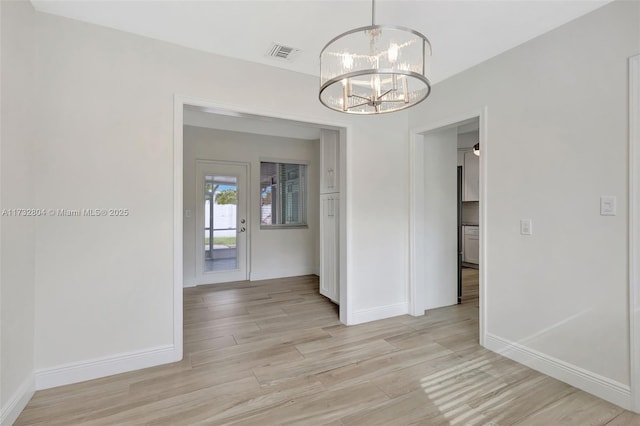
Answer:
(375, 69)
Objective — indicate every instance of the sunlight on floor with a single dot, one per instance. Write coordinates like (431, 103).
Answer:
(457, 390)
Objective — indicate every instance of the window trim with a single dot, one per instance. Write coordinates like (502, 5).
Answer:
(305, 201)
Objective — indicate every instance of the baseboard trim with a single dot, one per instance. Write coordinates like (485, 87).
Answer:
(380, 312)
(281, 273)
(103, 367)
(602, 387)
(17, 402)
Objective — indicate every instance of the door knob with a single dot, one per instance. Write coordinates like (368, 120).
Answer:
(242, 221)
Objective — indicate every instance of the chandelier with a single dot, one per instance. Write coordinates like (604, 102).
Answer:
(374, 69)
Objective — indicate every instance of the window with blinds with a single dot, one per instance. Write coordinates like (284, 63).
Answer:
(283, 188)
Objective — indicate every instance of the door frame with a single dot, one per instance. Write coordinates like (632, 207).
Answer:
(198, 213)
(346, 145)
(415, 136)
(634, 230)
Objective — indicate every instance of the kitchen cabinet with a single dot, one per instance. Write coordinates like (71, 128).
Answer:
(471, 244)
(471, 182)
(330, 246)
(329, 161)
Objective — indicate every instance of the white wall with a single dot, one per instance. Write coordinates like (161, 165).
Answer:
(276, 252)
(557, 141)
(104, 286)
(438, 239)
(16, 191)
(378, 177)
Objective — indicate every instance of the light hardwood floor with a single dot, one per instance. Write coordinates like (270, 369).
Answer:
(273, 352)
(470, 287)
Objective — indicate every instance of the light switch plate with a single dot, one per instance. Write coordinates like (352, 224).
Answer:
(608, 205)
(526, 227)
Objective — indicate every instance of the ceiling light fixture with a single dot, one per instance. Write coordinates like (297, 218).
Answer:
(375, 69)
(476, 149)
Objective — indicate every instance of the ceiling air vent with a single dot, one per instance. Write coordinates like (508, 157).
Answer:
(283, 53)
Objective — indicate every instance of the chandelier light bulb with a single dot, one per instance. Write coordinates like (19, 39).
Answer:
(393, 52)
(347, 61)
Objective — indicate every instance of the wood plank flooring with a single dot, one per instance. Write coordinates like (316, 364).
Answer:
(273, 352)
(470, 287)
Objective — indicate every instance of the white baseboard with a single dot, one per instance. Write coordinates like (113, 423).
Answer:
(282, 273)
(602, 387)
(17, 402)
(102, 367)
(380, 312)
(189, 283)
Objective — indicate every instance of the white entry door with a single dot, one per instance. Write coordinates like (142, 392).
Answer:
(221, 222)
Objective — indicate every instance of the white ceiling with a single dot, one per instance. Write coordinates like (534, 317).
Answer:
(462, 33)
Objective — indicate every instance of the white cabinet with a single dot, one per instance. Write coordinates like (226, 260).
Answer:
(329, 161)
(330, 246)
(471, 168)
(330, 214)
(471, 244)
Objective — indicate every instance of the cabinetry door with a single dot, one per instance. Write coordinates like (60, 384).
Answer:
(471, 252)
(330, 247)
(329, 161)
(471, 177)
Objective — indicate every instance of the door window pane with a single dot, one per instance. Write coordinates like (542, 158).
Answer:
(220, 223)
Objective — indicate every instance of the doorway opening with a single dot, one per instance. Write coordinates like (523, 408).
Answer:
(468, 210)
(447, 215)
(219, 253)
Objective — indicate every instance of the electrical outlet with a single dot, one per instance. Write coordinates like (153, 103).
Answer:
(526, 227)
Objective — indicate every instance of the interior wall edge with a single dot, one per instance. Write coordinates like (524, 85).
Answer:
(634, 230)
(17, 402)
